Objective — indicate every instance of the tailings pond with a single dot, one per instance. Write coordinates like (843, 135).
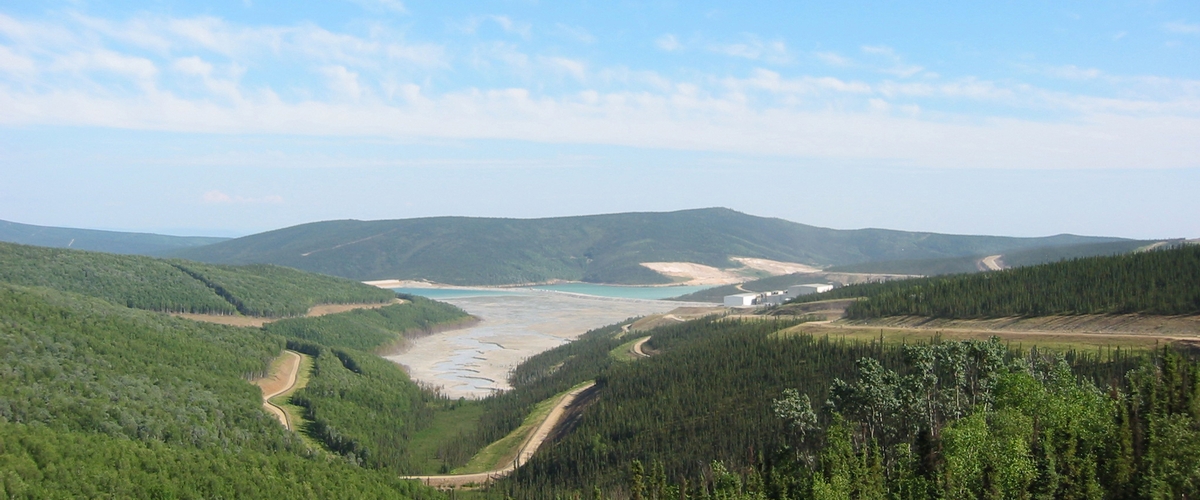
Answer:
(518, 323)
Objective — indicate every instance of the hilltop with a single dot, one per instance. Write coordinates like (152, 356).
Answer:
(595, 248)
(99, 241)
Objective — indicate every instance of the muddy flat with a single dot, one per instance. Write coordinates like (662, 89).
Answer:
(475, 361)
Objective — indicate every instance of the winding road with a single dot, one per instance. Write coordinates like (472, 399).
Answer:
(991, 263)
(531, 445)
(291, 370)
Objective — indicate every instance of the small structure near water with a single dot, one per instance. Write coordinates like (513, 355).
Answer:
(775, 297)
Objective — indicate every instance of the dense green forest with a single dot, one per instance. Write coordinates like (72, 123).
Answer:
(729, 409)
(363, 407)
(98, 241)
(1154, 282)
(180, 286)
(372, 329)
(599, 248)
(1014, 258)
(97, 399)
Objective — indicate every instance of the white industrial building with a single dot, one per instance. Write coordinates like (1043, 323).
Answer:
(776, 297)
(809, 289)
(740, 299)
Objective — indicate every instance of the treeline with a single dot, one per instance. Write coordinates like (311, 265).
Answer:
(275, 291)
(100, 400)
(968, 420)
(371, 329)
(710, 395)
(539, 378)
(1154, 282)
(363, 407)
(180, 286)
(131, 281)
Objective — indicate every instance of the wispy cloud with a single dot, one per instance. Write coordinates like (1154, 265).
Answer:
(191, 75)
(755, 49)
(578, 33)
(505, 23)
(893, 63)
(668, 43)
(1181, 27)
(834, 59)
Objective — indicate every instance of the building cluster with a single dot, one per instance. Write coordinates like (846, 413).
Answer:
(775, 297)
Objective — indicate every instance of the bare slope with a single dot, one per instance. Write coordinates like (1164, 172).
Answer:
(597, 248)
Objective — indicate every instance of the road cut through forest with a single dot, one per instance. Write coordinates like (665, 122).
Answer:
(527, 449)
(285, 371)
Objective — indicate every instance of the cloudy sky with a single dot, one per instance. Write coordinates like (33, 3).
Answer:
(231, 117)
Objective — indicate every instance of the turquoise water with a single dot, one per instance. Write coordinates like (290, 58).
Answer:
(452, 293)
(624, 292)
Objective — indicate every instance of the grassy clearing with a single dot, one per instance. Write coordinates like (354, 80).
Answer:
(624, 352)
(460, 417)
(504, 451)
(295, 413)
(1055, 341)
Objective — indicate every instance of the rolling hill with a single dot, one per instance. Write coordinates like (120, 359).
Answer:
(100, 241)
(596, 248)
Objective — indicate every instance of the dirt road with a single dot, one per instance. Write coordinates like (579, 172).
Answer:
(637, 348)
(531, 445)
(991, 263)
(279, 383)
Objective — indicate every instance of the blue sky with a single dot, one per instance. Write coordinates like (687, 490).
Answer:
(1018, 118)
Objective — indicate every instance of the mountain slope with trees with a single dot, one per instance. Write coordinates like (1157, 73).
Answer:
(99, 400)
(180, 286)
(597, 248)
(99, 241)
(1156, 282)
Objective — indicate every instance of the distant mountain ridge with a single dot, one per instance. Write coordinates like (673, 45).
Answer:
(595, 248)
(97, 240)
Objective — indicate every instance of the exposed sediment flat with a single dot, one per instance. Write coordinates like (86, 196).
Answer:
(475, 361)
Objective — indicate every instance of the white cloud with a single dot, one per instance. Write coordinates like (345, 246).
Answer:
(575, 68)
(895, 65)
(833, 59)
(343, 82)
(668, 43)
(219, 198)
(1181, 27)
(755, 49)
(12, 62)
(193, 66)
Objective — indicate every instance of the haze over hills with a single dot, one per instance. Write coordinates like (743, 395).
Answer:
(596, 248)
(96, 240)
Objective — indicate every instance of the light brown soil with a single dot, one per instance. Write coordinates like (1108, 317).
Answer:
(991, 263)
(314, 311)
(674, 316)
(774, 267)
(284, 371)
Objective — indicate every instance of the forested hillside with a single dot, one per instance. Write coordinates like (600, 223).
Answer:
(1154, 282)
(98, 241)
(372, 329)
(1015, 258)
(599, 248)
(732, 409)
(180, 286)
(98, 399)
